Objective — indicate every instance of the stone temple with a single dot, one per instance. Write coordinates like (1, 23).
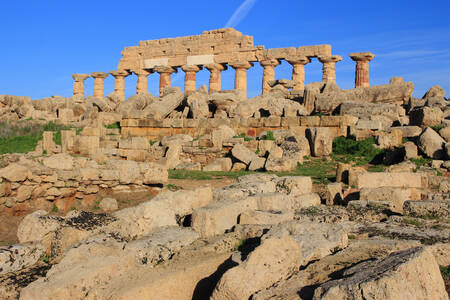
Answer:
(215, 50)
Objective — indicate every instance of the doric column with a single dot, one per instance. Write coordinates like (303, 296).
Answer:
(298, 71)
(329, 67)
(362, 68)
(141, 84)
(215, 78)
(240, 79)
(119, 82)
(190, 83)
(99, 84)
(78, 84)
(164, 77)
(268, 73)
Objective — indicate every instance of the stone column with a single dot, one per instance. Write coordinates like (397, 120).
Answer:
(99, 84)
(268, 73)
(119, 82)
(298, 71)
(215, 78)
(78, 84)
(362, 68)
(190, 83)
(141, 84)
(240, 79)
(329, 67)
(164, 77)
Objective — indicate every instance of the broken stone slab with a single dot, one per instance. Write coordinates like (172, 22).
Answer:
(385, 179)
(243, 154)
(407, 274)
(257, 163)
(432, 144)
(221, 164)
(408, 131)
(427, 208)
(265, 217)
(15, 172)
(333, 193)
(364, 110)
(294, 185)
(17, 257)
(320, 141)
(160, 109)
(426, 116)
(395, 197)
(280, 202)
(282, 251)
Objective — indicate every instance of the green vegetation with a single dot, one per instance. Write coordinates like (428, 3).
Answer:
(115, 125)
(172, 187)
(421, 161)
(268, 136)
(410, 221)
(23, 136)
(240, 245)
(96, 206)
(437, 127)
(312, 210)
(45, 258)
(349, 149)
(376, 168)
(54, 208)
(242, 135)
(320, 170)
(351, 237)
(445, 271)
(152, 142)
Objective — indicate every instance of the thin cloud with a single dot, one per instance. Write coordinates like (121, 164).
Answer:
(240, 13)
(411, 53)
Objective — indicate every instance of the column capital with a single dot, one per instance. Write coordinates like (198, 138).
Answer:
(142, 72)
(243, 65)
(298, 60)
(269, 62)
(330, 59)
(191, 68)
(362, 56)
(165, 69)
(216, 67)
(80, 77)
(99, 74)
(119, 73)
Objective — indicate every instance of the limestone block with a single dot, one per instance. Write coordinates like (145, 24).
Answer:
(265, 217)
(426, 116)
(220, 164)
(432, 144)
(139, 143)
(171, 100)
(384, 179)
(18, 257)
(427, 208)
(238, 166)
(15, 173)
(320, 141)
(243, 154)
(257, 163)
(407, 274)
(410, 150)
(333, 193)
(409, 131)
(445, 133)
(108, 204)
(90, 131)
(60, 161)
(280, 164)
(67, 140)
(390, 140)
(154, 173)
(48, 144)
(369, 124)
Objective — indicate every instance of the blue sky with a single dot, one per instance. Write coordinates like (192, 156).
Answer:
(44, 42)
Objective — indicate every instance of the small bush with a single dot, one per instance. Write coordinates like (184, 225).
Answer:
(437, 127)
(54, 208)
(445, 271)
(268, 136)
(115, 125)
(362, 152)
(242, 135)
(421, 161)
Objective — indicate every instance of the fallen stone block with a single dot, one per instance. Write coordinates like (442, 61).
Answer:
(384, 179)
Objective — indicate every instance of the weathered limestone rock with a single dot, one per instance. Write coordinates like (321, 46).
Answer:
(17, 257)
(15, 172)
(265, 217)
(171, 100)
(427, 208)
(312, 90)
(426, 116)
(384, 179)
(154, 173)
(198, 103)
(243, 154)
(395, 197)
(222, 133)
(445, 133)
(432, 144)
(435, 91)
(257, 163)
(366, 110)
(389, 140)
(410, 150)
(48, 145)
(333, 193)
(407, 274)
(220, 164)
(320, 141)
(108, 204)
(59, 161)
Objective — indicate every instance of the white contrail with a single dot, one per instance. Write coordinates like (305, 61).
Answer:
(240, 13)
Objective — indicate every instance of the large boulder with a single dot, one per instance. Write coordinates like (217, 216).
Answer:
(15, 172)
(432, 144)
(60, 161)
(160, 109)
(17, 257)
(243, 154)
(220, 164)
(407, 274)
(320, 141)
(198, 103)
(426, 116)
(435, 91)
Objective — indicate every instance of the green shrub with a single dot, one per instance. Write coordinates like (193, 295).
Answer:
(242, 135)
(437, 127)
(421, 161)
(115, 125)
(362, 152)
(55, 208)
(268, 136)
(445, 271)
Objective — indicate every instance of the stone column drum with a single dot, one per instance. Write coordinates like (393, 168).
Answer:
(362, 68)
(268, 73)
(119, 82)
(329, 67)
(99, 84)
(298, 71)
(142, 82)
(78, 84)
(240, 79)
(215, 78)
(164, 77)
(190, 82)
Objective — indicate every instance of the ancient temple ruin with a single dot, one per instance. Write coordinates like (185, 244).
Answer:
(215, 50)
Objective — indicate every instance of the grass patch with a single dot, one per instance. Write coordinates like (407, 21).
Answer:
(115, 125)
(152, 142)
(351, 237)
(173, 187)
(362, 152)
(54, 208)
(376, 168)
(242, 135)
(413, 222)
(445, 272)
(437, 127)
(268, 136)
(420, 162)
